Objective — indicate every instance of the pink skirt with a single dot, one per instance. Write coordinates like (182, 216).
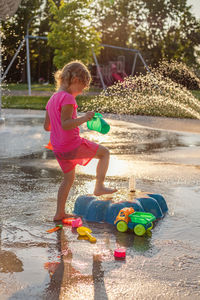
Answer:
(81, 155)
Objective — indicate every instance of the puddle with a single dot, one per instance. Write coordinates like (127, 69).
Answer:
(37, 265)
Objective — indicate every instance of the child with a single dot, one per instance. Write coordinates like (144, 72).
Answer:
(69, 148)
(116, 75)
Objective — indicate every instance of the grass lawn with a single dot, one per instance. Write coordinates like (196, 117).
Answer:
(35, 102)
(196, 94)
(51, 88)
(39, 102)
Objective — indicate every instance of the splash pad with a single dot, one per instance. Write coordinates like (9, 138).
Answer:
(104, 209)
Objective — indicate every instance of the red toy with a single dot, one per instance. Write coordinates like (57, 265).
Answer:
(68, 221)
(120, 253)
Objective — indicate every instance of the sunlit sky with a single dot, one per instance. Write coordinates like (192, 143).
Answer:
(195, 7)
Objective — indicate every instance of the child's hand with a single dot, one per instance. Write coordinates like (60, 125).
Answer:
(88, 116)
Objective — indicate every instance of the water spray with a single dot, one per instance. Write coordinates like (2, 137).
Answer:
(7, 10)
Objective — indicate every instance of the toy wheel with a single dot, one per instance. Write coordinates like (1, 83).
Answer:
(139, 230)
(150, 226)
(122, 226)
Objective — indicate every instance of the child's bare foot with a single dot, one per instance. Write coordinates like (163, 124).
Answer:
(102, 190)
(59, 217)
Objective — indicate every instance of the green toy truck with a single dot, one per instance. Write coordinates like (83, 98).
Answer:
(138, 221)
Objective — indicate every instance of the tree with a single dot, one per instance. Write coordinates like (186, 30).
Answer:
(72, 35)
(13, 31)
(167, 29)
(158, 28)
(43, 62)
(116, 21)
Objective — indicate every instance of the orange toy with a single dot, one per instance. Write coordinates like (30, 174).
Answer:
(68, 221)
(54, 229)
(123, 214)
(49, 146)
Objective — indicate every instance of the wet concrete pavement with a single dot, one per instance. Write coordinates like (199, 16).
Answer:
(36, 265)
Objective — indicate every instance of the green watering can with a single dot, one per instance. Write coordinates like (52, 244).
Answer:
(98, 124)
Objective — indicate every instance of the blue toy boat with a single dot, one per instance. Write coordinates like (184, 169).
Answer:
(96, 210)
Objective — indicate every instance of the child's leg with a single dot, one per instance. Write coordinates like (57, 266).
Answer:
(63, 192)
(103, 155)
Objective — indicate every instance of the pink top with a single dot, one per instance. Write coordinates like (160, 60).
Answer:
(62, 140)
(117, 77)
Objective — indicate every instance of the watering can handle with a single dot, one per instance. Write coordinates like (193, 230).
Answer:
(97, 115)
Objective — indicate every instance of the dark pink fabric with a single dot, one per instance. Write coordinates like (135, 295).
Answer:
(80, 155)
(117, 77)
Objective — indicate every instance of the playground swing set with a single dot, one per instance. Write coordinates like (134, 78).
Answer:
(103, 76)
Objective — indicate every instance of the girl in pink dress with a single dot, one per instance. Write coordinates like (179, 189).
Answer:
(62, 121)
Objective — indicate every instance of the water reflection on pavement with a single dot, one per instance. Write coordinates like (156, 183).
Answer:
(38, 265)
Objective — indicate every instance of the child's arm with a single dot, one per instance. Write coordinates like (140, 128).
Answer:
(66, 117)
(47, 125)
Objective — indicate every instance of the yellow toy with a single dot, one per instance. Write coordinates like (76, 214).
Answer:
(84, 231)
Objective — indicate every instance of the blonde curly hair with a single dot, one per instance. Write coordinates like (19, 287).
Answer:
(71, 70)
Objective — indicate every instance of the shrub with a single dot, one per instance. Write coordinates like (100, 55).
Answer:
(179, 73)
